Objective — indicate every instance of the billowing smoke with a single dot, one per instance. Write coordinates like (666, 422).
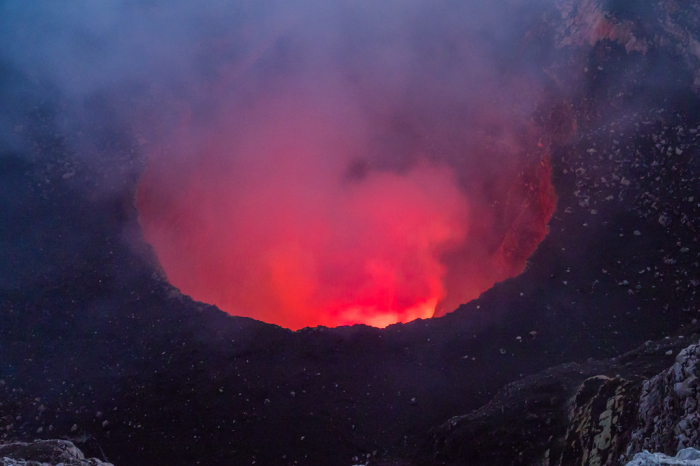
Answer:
(283, 218)
(316, 163)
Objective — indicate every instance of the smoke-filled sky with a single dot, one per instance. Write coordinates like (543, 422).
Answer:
(308, 162)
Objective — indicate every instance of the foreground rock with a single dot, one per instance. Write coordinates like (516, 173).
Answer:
(619, 418)
(45, 453)
(687, 456)
(609, 410)
(668, 417)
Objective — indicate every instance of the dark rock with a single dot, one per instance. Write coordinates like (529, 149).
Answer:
(685, 457)
(601, 410)
(45, 453)
(665, 220)
(568, 415)
(668, 418)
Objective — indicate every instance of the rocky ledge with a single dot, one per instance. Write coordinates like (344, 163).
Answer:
(599, 412)
(45, 453)
(687, 457)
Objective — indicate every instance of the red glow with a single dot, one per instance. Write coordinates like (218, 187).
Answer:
(280, 218)
(525, 209)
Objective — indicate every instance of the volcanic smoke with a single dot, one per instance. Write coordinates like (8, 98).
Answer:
(319, 193)
(283, 220)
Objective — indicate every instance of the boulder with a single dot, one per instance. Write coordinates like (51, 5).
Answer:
(45, 453)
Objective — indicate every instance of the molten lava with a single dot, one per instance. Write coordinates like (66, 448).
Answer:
(285, 216)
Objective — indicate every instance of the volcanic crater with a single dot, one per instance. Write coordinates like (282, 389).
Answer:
(106, 341)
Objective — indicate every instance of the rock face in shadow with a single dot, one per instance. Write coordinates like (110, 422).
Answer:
(608, 419)
(45, 453)
(573, 414)
(99, 348)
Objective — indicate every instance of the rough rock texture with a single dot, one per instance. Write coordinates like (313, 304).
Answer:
(665, 26)
(45, 453)
(668, 418)
(588, 22)
(573, 414)
(607, 418)
(687, 456)
(599, 412)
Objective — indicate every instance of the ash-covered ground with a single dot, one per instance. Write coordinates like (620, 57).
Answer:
(98, 348)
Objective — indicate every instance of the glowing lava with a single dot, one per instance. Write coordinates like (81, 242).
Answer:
(282, 216)
(277, 222)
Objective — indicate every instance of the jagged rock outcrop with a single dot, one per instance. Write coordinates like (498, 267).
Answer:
(588, 22)
(600, 408)
(612, 420)
(662, 25)
(609, 410)
(668, 418)
(687, 457)
(45, 453)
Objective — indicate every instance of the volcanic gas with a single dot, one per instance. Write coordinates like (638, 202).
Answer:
(285, 220)
(346, 183)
